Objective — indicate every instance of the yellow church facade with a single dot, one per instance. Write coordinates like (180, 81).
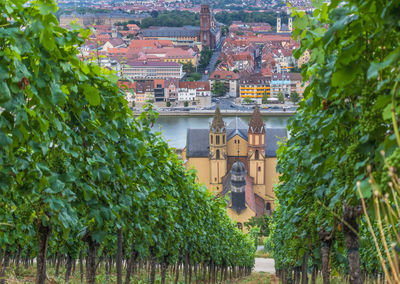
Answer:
(238, 160)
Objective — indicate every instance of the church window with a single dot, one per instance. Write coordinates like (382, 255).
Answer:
(217, 154)
(238, 141)
(223, 139)
(217, 139)
(257, 155)
(259, 169)
(268, 206)
(212, 139)
(235, 141)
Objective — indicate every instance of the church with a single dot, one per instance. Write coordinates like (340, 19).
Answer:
(237, 160)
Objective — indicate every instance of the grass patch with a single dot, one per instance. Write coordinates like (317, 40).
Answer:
(264, 254)
(258, 278)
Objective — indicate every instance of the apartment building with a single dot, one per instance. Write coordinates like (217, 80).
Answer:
(229, 78)
(190, 91)
(152, 70)
(254, 86)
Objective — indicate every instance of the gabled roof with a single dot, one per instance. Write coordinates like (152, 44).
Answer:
(197, 143)
(198, 85)
(272, 136)
(237, 127)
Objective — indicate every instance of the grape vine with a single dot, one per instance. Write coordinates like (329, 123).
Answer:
(347, 118)
(81, 178)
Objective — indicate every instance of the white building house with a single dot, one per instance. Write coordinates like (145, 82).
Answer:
(191, 91)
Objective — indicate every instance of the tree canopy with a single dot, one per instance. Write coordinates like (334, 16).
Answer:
(81, 175)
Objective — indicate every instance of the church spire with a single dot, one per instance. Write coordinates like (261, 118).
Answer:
(217, 124)
(256, 124)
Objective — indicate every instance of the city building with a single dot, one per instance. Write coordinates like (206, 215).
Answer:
(210, 30)
(186, 33)
(159, 94)
(229, 78)
(178, 55)
(282, 28)
(144, 91)
(280, 83)
(191, 91)
(237, 160)
(152, 70)
(171, 86)
(254, 86)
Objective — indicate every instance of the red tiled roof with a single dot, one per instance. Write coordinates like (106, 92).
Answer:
(126, 84)
(141, 43)
(224, 75)
(153, 64)
(159, 82)
(195, 85)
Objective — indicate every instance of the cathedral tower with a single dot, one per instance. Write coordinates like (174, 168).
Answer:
(290, 24)
(256, 147)
(218, 155)
(278, 24)
(205, 26)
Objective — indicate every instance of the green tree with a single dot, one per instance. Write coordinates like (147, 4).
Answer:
(168, 103)
(194, 77)
(82, 177)
(185, 103)
(205, 57)
(219, 88)
(281, 98)
(247, 101)
(294, 97)
(265, 97)
(188, 68)
(262, 222)
(343, 136)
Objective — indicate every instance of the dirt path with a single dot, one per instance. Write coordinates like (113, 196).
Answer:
(265, 265)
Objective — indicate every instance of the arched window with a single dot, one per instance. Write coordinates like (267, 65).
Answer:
(268, 206)
(217, 139)
(223, 139)
(217, 155)
(256, 155)
(212, 139)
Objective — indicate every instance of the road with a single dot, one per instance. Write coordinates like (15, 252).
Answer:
(213, 60)
(265, 265)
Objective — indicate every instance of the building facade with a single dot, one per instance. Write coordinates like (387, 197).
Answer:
(237, 160)
(254, 86)
(210, 30)
(152, 70)
(229, 78)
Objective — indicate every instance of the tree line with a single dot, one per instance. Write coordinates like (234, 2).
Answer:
(339, 182)
(82, 179)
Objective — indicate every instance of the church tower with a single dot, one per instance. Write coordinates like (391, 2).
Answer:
(278, 24)
(218, 155)
(256, 148)
(205, 26)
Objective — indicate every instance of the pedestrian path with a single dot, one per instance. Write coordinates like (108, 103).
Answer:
(265, 265)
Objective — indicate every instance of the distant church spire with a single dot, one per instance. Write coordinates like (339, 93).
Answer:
(256, 124)
(217, 124)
